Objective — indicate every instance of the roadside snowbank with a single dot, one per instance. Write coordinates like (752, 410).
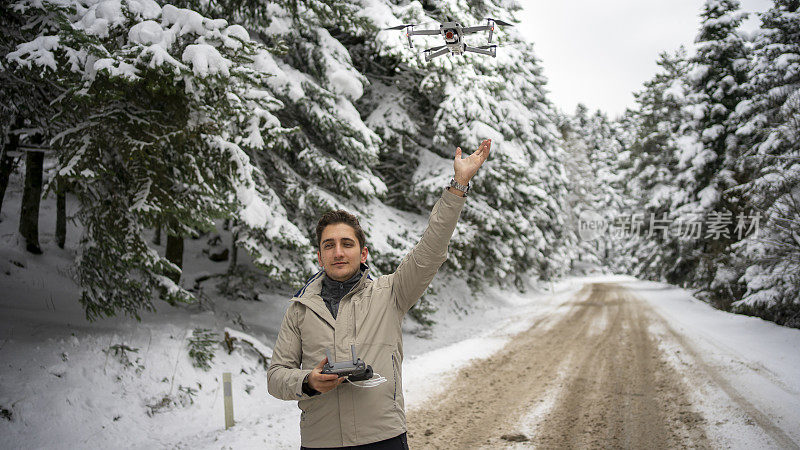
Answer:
(745, 370)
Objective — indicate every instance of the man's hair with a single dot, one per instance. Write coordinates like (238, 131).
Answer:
(340, 216)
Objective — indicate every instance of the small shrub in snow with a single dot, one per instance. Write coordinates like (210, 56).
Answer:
(184, 397)
(158, 406)
(186, 394)
(121, 353)
(201, 347)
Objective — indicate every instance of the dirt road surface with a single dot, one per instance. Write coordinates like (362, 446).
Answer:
(592, 377)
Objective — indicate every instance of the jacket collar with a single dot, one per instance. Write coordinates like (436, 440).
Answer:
(309, 296)
(334, 288)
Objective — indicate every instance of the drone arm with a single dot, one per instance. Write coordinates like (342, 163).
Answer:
(424, 32)
(469, 30)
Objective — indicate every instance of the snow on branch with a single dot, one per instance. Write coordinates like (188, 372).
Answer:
(264, 352)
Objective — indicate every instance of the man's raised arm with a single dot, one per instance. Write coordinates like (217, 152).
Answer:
(418, 268)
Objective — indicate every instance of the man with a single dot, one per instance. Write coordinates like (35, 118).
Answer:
(342, 306)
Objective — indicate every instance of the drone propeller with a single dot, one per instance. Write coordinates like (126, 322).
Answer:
(487, 46)
(500, 22)
(492, 23)
(408, 26)
(400, 27)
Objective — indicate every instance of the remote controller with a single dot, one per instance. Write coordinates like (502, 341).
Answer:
(355, 370)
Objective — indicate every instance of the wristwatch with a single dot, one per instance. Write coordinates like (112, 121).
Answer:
(454, 184)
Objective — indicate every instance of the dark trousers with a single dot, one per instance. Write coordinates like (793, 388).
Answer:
(396, 443)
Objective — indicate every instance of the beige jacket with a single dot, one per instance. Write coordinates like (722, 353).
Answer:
(369, 316)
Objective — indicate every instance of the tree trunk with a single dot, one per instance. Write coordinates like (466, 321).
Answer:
(31, 195)
(175, 253)
(61, 213)
(7, 164)
(157, 236)
(234, 252)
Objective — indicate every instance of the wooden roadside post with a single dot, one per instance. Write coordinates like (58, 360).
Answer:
(227, 392)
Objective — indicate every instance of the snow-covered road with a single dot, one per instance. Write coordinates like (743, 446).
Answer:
(619, 363)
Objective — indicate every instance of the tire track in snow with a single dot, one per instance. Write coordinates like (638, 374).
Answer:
(595, 379)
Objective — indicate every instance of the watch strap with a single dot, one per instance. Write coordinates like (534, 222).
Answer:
(454, 184)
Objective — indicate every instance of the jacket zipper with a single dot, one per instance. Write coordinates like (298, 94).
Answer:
(394, 368)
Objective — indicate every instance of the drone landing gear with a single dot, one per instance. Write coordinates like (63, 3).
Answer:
(436, 52)
(490, 50)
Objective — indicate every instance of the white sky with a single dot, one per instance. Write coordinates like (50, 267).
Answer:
(599, 52)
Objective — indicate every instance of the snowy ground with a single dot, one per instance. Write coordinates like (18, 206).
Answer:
(63, 391)
(118, 383)
(64, 388)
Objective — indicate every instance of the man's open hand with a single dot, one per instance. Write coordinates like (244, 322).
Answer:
(467, 167)
(323, 382)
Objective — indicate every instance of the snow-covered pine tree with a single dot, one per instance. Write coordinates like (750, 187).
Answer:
(25, 113)
(158, 105)
(771, 131)
(332, 160)
(582, 195)
(656, 144)
(25, 116)
(596, 152)
(708, 170)
(325, 161)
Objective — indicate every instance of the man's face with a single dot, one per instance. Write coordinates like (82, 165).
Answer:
(339, 253)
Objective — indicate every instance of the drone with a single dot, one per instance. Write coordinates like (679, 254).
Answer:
(453, 33)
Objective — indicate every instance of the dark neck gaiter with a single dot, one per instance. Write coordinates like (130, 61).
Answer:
(333, 291)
